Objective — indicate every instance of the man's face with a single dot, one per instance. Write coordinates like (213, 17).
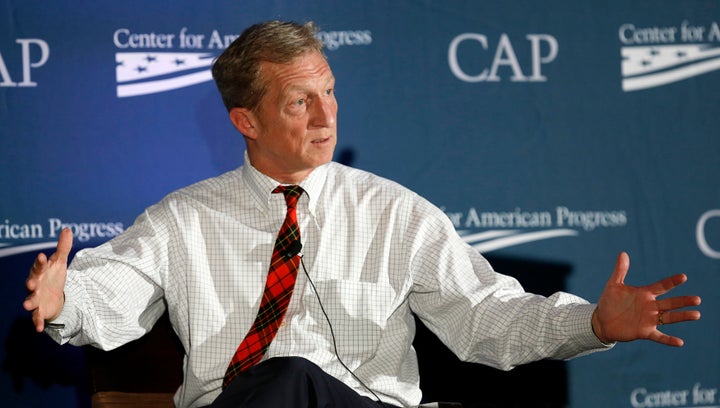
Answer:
(294, 128)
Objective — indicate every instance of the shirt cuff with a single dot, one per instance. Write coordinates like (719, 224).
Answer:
(581, 325)
(67, 323)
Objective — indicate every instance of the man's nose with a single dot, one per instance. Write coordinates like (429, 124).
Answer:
(324, 112)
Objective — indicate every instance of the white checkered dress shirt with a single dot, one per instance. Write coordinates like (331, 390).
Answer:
(376, 252)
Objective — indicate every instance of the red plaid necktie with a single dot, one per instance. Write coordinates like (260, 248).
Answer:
(278, 290)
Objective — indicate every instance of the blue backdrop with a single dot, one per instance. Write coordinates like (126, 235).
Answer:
(554, 132)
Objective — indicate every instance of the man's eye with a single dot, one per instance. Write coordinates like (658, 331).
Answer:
(300, 102)
(329, 91)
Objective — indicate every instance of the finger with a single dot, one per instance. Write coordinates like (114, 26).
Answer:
(663, 338)
(40, 260)
(663, 286)
(39, 264)
(38, 267)
(64, 246)
(31, 284)
(30, 304)
(622, 265)
(678, 302)
(38, 320)
(678, 317)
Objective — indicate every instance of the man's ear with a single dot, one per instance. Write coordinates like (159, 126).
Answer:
(244, 121)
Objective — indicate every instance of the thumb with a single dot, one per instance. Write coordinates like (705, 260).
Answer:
(64, 246)
(622, 265)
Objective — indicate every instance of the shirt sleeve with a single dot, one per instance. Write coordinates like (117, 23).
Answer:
(114, 293)
(484, 316)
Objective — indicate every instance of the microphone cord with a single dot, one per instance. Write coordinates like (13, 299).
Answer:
(332, 334)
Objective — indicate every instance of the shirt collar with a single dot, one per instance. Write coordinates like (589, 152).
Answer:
(261, 186)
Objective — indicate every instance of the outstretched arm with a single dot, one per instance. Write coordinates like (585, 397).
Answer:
(46, 283)
(626, 313)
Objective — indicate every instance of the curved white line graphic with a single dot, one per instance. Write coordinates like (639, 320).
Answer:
(26, 248)
(500, 243)
(482, 236)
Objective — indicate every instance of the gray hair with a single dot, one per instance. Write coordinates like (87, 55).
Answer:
(237, 71)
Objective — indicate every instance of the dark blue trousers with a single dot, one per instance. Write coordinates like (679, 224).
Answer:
(292, 382)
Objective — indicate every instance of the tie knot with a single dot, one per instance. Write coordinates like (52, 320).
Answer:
(291, 193)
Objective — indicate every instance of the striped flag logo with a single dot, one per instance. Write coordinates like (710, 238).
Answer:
(142, 73)
(646, 67)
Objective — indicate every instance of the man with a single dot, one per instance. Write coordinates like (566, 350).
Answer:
(373, 254)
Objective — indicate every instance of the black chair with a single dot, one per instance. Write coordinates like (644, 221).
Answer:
(144, 373)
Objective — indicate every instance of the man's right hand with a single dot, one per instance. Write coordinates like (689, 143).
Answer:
(46, 283)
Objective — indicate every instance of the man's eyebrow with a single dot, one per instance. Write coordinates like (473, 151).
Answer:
(303, 87)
